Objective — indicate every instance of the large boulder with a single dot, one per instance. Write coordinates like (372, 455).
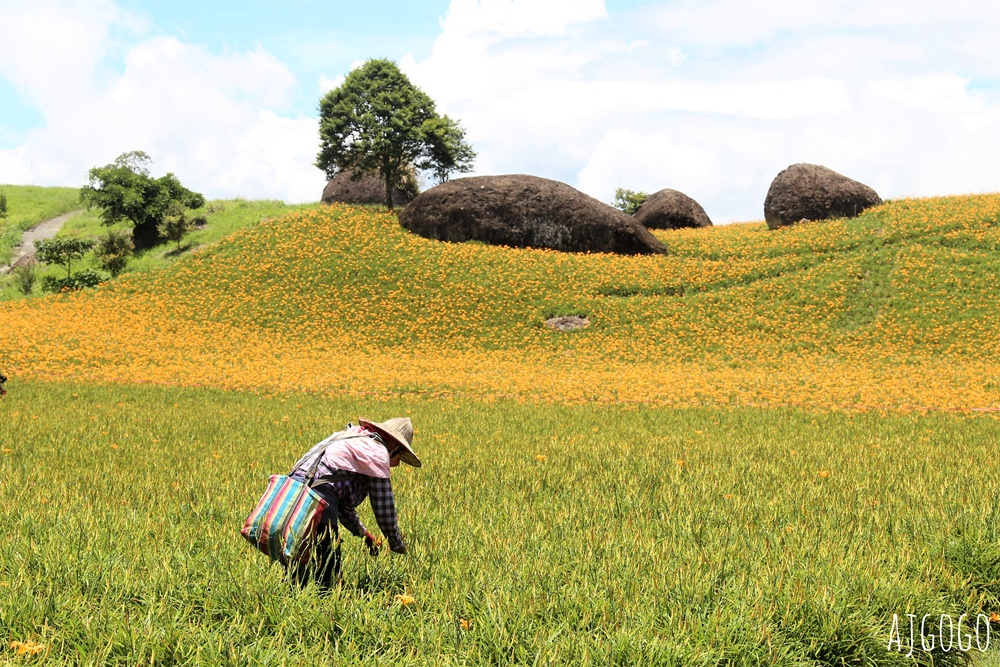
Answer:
(525, 211)
(812, 192)
(367, 189)
(670, 209)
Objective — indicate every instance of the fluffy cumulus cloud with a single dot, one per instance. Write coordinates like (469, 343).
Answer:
(714, 97)
(103, 86)
(711, 97)
(517, 18)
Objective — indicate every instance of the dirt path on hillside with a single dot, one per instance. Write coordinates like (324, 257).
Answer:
(25, 250)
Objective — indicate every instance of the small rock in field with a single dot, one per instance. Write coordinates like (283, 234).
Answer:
(568, 322)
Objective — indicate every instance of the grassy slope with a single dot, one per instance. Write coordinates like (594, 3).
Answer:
(895, 308)
(224, 217)
(27, 205)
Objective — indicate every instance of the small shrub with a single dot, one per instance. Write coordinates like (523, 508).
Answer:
(25, 277)
(62, 251)
(114, 250)
(628, 200)
(3, 205)
(175, 225)
(82, 280)
(53, 284)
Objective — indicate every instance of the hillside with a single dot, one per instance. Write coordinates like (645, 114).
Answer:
(896, 308)
(576, 522)
(27, 205)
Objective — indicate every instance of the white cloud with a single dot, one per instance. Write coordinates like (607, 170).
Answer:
(519, 18)
(51, 50)
(212, 119)
(737, 22)
(16, 166)
(948, 93)
(327, 84)
(711, 97)
(715, 97)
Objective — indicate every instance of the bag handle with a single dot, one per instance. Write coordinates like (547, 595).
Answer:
(320, 449)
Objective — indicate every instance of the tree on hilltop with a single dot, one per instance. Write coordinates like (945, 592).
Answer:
(125, 191)
(378, 122)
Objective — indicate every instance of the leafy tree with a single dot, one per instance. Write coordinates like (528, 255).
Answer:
(62, 251)
(3, 204)
(175, 225)
(114, 250)
(378, 122)
(448, 151)
(125, 191)
(629, 201)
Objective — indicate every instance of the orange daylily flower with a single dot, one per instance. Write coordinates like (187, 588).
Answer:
(29, 647)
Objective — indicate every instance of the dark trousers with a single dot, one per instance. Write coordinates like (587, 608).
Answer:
(324, 562)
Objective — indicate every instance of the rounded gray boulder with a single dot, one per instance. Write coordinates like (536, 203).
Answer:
(525, 211)
(813, 192)
(670, 209)
(366, 189)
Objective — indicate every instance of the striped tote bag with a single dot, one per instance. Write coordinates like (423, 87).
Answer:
(288, 513)
(284, 519)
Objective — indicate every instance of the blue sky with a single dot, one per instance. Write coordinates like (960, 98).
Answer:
(710, 97)
(313, 38)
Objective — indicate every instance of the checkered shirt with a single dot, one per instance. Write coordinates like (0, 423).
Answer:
(352, 491)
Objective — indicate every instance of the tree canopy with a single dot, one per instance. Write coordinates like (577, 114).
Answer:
(378, 122)
(124, 190)
(629, 200)
(62, 250)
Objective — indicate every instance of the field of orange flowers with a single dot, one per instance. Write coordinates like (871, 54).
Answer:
(578, 505)
(894, 310)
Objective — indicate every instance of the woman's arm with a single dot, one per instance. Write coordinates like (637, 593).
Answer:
(384, 508)
(348, 516)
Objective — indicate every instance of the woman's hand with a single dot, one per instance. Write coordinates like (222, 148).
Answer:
(373, 545)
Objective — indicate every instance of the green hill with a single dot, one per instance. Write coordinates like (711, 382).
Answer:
(27, 205)
(895, 308)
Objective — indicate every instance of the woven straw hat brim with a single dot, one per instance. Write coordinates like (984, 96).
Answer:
(408, 456)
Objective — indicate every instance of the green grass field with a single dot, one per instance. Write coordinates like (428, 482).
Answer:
(562, 535)
(636, 493)
(27, 205)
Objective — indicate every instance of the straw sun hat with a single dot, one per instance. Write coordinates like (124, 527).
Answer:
(400, 431)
